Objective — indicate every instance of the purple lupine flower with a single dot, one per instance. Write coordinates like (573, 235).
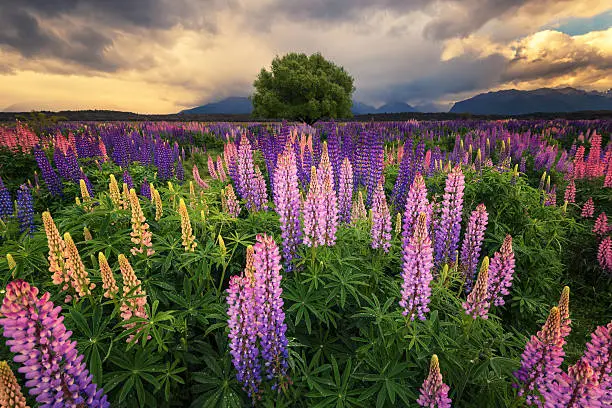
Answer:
(72, 166)
(259, 191)
(52, 180)
(381, 220)
(541, 359)
(345, 191)
(599, 355)
(402, 182)
(501, 273)
(416, 272)
(145, 189)
(434, 393)
(448, 227)
(477, 303)
(415, 204)
(269, 308)
(180, 171)
(53, 368)
(242, 324)
(6, 202)
(60, 162)
(287, 202)
(127, 179)
(376, 157)
(327, 212)
(472, 242)
(25, 210)
(245, 172)
(577, 388)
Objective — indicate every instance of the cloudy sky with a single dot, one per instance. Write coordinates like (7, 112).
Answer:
(161, 56)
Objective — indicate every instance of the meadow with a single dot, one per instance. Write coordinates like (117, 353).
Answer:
(386, 264)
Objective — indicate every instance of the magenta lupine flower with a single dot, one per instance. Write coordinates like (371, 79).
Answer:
(578, 388)
(570, 192)
(472, 242)
(287, 202)
(601, 225)
(478, 301)
(604, 254)
(211, 168)
(269, 308)
(196, 176)
(599, 355)
(416, 272)
(242, 323)
(416, 203)
(434, 393)
(345, 192)
(310, 210)
(381, 220)
(541, 359)
(588, 209)
(608, 178)
(501, 273)
(53, 368)
(448, 226)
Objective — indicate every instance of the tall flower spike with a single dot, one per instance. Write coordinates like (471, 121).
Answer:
(358, 211)
(398, 224)
(6, 203)
(310, 210)
(230, 202)
(599, 355)
(221, 169)
(416, 272)
(541, 359)
(134, 297)
(577, 389)
(416, 203)
(564, 314)
(198, 179)
(269, 308)
(449, 223)
(79, 278)
(10, 261)
(141, 236)
(25, 210)
(570, 192)
(601, 225)
(186, 230)
(478, 302)
(287, 202)
(604, 254)
(434, 393)
(381, 220)
(87, 204)
(157, 201)
(501, 273)
(211, 168)
(10, 390)
(57, 249)
(53, 368)
(109, 284)
(588, 209)
(345, 191)
(472, 242)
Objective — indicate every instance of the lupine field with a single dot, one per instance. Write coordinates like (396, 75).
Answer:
(392, 264)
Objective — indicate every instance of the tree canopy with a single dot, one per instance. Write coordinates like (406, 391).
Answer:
(302, 87)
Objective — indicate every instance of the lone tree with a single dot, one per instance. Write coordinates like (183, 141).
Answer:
(302, 87)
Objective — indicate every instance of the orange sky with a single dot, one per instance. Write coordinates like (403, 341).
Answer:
(154, 56)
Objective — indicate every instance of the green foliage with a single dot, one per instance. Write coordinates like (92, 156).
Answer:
(302, 87)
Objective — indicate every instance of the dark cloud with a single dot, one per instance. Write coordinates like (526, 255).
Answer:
(81, 31)
(463, 74)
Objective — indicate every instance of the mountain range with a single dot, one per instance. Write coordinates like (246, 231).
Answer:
(506, 102)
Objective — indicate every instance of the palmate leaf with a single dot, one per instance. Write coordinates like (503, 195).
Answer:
(337, 390)
(217, 387)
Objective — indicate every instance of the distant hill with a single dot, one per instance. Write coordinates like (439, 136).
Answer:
(235, 105)
(514, 102)
(241, 105)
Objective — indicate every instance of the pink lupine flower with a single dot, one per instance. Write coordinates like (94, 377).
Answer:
(478, 301)
(588, 209)
(221, 169)
(448, 227)
(564, 313)
(416, 203)
(211, 168)
(501, 271)
(599, 356)
(416, 272)
(472, 242)
(434, 393)
(198, 179)
(578, 388)
(381, 220)
(570, 192)
(345, 191)
(601, 225)
(604, 254)
(541, 359)
(135, 298)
